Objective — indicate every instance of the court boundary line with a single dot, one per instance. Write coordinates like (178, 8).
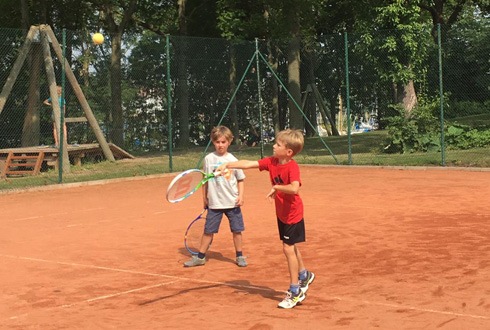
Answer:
(180, 278)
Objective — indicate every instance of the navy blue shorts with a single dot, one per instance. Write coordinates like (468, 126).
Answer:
(214, 216)
(291, 234)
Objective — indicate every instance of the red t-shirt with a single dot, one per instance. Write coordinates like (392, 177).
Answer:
(289, 207)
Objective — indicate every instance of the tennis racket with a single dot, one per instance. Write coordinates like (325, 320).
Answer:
(193, 234)
(187, 183)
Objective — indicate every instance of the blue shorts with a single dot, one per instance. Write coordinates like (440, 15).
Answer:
(214, 216)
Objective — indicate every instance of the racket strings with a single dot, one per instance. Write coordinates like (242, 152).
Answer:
(194, 235)
(184, 186)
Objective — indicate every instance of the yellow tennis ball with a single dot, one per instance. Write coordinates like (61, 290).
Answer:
(97, 38)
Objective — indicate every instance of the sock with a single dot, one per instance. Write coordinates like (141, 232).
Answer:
(294, 288)
(239, 254)
(303, 275)
(201, 255)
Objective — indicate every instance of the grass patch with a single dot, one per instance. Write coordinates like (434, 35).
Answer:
(366, 149)
(476, 121)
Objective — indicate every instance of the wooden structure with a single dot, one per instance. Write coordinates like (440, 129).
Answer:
(20, 163)
(30, 160)
(47, 38)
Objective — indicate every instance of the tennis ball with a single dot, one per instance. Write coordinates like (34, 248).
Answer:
(97, 38)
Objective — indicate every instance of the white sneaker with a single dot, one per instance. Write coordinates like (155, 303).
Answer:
(195, 261)
(292, 300)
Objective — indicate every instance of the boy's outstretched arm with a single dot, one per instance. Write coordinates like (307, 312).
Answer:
(240, 164)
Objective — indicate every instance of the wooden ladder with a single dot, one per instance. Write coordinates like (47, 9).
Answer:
(18, 163)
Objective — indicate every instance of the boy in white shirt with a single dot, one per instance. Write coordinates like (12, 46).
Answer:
(221, 195)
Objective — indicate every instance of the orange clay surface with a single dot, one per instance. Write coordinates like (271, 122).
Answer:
(391, 249)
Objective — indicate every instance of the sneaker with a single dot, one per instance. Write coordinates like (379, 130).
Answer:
(292, 300)
(241, 262)
(304, 284)
(195, 261)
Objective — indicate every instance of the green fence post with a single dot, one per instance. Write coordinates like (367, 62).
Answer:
(347, 96)
(441, 97)
(169, 106)
(259, 95)
(62, 110)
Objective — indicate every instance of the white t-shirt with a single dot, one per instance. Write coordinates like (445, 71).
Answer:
(222, 192)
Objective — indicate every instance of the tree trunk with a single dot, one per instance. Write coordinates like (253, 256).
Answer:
(409, 96)
(233, 109)
(296, 119)
(25, 14)
(31, 129)
(272, 58)
(116, 29)
(308, 78)
(295, 116)
(182, 87)
(117, 130)
(405, 95)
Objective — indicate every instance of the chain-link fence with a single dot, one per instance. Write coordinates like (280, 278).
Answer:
(373, 99)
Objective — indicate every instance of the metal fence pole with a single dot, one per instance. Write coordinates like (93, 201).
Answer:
(169, 106)
(441, 96)
(347, 96)
(62, 108)
(259, 95)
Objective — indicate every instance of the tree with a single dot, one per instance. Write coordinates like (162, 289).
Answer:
(446, 13)
(116, 17)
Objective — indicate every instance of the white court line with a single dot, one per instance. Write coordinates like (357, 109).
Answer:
(100, 298)
(28, 218)
(171, 211)
(177, 278)
(56, 214)
(119, 294)
(418, 309)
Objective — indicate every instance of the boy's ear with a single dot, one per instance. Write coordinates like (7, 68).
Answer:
(289, 152)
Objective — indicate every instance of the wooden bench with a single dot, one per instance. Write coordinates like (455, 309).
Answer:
(22, 163)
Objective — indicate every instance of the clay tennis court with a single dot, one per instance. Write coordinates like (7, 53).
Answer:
(391, 248)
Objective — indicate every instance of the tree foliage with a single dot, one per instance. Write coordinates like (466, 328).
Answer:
(390, 42)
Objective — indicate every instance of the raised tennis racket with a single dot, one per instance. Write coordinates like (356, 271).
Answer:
(187, 183)
(193, 234)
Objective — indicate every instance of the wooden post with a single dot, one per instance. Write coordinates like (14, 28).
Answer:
(80, 96)
(7, 88)
(48, 61)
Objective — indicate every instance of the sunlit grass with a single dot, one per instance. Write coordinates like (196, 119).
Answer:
(366, 149)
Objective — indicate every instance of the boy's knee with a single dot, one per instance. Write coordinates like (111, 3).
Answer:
(287, 248)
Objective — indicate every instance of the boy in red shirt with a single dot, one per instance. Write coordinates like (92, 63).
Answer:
(285, 179)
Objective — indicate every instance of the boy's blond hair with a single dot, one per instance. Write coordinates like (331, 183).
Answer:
(293, 139)
(220, 131)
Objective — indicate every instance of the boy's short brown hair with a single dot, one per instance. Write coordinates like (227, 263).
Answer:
(220, 131)
(293, 139)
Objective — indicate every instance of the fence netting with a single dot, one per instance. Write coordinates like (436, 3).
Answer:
(425, 101)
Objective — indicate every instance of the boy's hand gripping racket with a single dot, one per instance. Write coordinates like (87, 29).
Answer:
(188, 182)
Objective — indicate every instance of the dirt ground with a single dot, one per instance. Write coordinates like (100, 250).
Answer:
(391, 249)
